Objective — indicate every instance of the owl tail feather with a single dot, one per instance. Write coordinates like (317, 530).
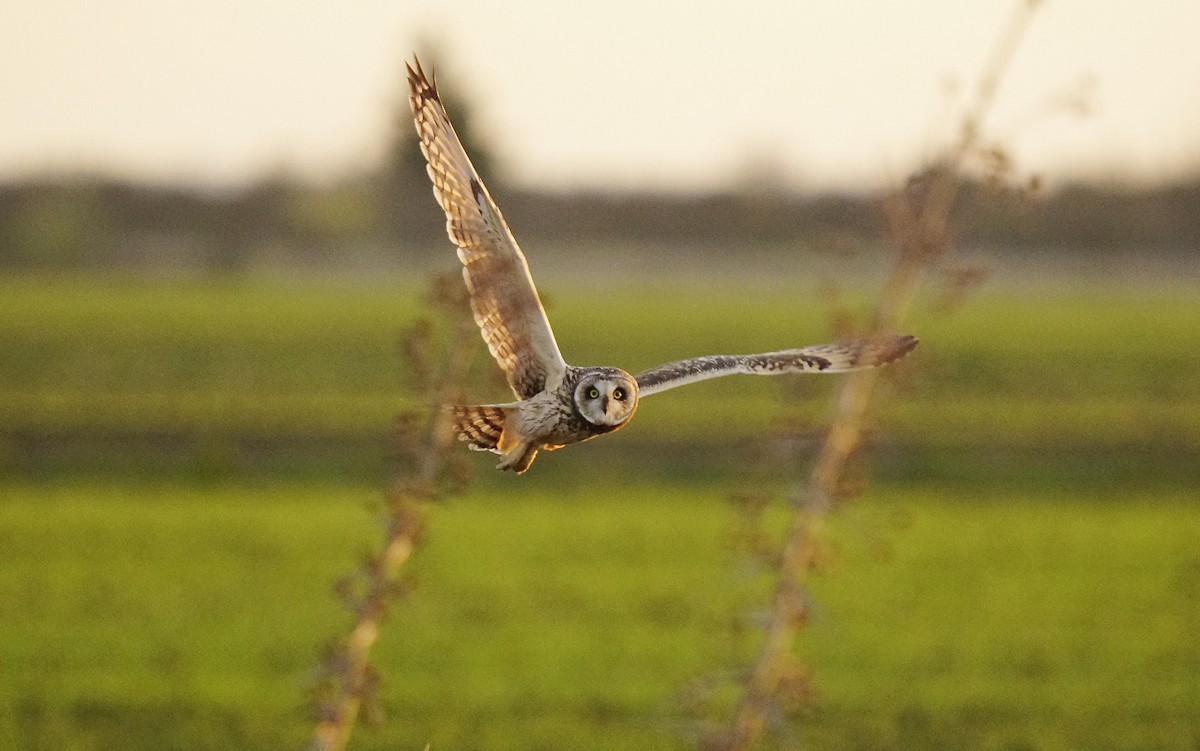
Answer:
(482, 427)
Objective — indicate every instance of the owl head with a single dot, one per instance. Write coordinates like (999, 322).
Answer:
(606, 397)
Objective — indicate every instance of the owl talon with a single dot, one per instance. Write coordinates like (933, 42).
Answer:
(521, 463)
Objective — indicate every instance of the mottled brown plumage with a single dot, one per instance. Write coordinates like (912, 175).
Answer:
(559, 404)
(503, 297)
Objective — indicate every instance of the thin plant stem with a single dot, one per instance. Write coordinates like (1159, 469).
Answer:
(920, 235)
(350, 679)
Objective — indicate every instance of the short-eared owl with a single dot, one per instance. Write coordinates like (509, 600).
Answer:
(559, 403)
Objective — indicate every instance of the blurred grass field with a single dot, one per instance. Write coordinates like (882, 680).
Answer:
(242, 369)
(185, 468)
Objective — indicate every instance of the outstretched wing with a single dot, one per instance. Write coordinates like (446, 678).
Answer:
(503, 298)
(838, 357)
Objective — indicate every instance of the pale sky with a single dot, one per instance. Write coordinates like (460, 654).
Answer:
(625, 93)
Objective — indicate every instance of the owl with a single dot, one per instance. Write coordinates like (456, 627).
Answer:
(560, 404)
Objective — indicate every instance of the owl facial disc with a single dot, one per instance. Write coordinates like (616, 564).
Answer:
(607, 398)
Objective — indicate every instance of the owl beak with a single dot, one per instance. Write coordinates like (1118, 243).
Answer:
(604, 405)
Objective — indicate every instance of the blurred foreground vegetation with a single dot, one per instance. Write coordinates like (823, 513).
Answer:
(186, 467)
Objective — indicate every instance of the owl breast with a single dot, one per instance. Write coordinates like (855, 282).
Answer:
(573, 428)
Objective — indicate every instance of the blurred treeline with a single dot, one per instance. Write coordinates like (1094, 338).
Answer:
(387, 218)
(390, 218)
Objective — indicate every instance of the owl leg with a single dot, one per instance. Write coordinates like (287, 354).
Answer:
(516, 453)
(519, 462)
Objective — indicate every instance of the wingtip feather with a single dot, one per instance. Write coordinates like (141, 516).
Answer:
(422, 87)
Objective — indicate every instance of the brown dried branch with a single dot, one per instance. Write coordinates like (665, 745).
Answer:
(919, 228)
(426, 471)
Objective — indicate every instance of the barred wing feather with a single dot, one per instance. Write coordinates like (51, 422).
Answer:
(838, 357)
(504, 300)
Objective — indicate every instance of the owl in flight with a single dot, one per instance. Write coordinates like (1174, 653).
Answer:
(559, 404)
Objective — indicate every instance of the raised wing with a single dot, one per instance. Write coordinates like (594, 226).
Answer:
(503, 299)
(838, 357)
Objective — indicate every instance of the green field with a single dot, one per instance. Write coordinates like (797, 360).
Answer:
(185, 468)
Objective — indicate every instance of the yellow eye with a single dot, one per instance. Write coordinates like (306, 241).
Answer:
(593, 393)
(618, 393)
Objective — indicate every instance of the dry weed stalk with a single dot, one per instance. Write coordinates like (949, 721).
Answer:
(438, 351)
(918, 225)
